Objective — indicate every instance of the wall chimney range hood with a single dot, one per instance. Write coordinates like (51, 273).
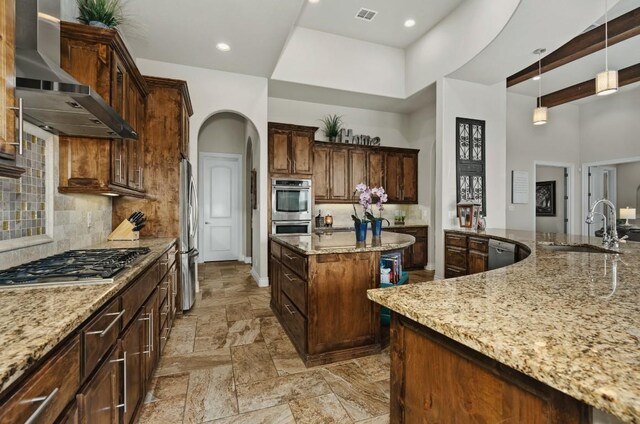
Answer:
(52, 99)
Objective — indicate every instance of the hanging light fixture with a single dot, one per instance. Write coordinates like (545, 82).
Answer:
(539, 113)
(606, 81)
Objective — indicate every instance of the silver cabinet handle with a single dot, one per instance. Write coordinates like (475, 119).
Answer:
(288, 277)
(289, 309)
(45, 401)
(149, 320)
(140, 175)
(124, 367)
(106, 330)
(20, 141)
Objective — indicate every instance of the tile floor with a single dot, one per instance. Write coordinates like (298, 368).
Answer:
(229, 361)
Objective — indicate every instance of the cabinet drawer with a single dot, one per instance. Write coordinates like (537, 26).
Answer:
(100, 335)
(416, 232)
(454, 272)
(295, 261)
(479, 244)
(456, 257)
(295, 323)
(295, 289)
(45, 394)
(171, 256)
(276, 250)
(135, 296)
(455, 240)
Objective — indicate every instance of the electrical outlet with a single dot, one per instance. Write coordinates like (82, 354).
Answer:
(89, 223)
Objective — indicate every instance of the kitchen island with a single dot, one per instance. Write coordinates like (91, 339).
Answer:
(66, 344)
(542, 340)
(319, 286)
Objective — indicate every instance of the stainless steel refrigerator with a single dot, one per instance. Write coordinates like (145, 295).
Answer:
(188, 229)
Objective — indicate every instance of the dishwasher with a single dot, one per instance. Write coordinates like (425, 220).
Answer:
(501, 253)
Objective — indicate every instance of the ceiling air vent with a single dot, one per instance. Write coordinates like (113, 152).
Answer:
(366, 14)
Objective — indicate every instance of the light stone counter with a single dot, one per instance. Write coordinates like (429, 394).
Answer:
(34, 320)
(392, 225)
(343, 242)
(570, 320)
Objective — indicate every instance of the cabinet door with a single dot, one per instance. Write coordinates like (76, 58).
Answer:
(477, 261)
(7, 74)
(184, 131)
(99, 403)
(302, 153)
(119, 88)
(375, 169)
(150, 319)
(321, 157)
(275, 269)
(134, 348)
(339, 175)
(357, 167)
(419, 253)
(410, 178)
(135, 148)
(279, 151)
(393, 173)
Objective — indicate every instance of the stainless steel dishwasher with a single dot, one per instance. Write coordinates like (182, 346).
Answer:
(501, 253)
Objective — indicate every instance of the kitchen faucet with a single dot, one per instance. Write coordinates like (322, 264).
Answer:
(610, 236)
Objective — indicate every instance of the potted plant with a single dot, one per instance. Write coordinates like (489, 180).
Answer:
(378, 196)
(332, 126)
(363, 194)
(100, 13)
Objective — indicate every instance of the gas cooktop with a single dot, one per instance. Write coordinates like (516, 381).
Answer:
(72, 267)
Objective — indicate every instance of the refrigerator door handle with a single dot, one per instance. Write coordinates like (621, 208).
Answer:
(194, 218)
(194, 253)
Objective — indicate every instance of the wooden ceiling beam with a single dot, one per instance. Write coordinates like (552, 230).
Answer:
(584, 89)
(620, 29)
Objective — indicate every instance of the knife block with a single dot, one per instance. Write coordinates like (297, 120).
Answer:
(124, 232)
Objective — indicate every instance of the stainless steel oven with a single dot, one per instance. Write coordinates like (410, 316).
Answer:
(290, 227)
(291, 199)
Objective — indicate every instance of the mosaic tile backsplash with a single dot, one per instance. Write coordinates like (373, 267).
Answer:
(22, 201)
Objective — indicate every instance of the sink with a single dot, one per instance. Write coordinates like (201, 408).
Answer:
(584, 248)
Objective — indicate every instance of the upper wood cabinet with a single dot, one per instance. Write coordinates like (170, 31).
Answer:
(7, 75)
(98, 58)
(392, 168)
(291, 149)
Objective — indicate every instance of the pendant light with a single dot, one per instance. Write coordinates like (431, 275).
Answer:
(606, 81)
(539, 113)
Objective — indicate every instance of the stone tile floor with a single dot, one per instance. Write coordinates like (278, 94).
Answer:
(228, 360)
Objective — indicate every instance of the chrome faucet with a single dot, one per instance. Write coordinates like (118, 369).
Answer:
(610, 236)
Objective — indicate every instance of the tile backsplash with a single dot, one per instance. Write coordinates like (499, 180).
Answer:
(22, 201)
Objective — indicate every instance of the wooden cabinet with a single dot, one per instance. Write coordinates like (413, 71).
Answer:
(478, 254)
(339, 167)
(134, 351)
(99, 401)
(98, 58)
(167, 109)
(150, 318)
(7, 76)
(291, 149)
(275, 271)
(435, 379)
(416, 255)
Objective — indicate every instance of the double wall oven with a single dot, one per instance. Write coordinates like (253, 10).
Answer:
(291, 206)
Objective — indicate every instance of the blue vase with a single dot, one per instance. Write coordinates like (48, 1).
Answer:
(376, 227)
(361, 231)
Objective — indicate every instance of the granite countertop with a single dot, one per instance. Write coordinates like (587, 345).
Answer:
(34, 320)
(407, 224)
(568, 319)
(343, 242)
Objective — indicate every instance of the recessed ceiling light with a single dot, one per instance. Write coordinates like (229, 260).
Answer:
(409, 23)
(314, 1)
(223, 47)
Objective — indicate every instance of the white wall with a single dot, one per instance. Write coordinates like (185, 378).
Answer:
(610, 128)
(552, 224)
(333, 61)
(216, 91)
(557, 141)
(468, 100)
(223, 133)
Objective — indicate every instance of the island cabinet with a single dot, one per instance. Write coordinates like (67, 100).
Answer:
(436, 379)
(101, 371)
(98, 58)
(291, 149)
(416, 255)
(321, 303)
(338, 168)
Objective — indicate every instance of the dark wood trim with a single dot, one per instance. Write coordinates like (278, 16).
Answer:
(112, 189)
(367, 148)
(291, 127)
(110, 37)
(620, 29)
(175, 84)
(587, 88)
(11, 171)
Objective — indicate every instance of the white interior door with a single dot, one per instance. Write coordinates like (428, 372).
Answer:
(602, 185)
(221, 206)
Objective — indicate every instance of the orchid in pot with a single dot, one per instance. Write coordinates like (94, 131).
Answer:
(379, 198)
(363, 193)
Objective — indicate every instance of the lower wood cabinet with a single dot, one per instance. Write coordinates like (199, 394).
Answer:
(99, 401)
(416, 255)
(478, 255)
(135, 353)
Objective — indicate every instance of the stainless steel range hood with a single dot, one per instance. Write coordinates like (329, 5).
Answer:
(52, 99)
